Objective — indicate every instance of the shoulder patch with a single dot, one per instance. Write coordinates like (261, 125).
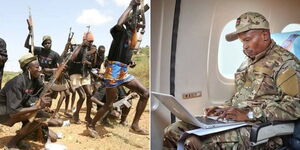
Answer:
(288, 82)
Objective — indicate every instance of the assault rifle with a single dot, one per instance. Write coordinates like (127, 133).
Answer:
(138, 22)
(117, 105)
(125, 101)
(53, 79)
(30, 25)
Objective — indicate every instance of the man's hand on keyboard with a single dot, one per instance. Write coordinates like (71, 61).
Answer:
(213, 111)
(233, 113)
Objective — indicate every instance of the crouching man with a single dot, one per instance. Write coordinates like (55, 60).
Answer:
(17, 100)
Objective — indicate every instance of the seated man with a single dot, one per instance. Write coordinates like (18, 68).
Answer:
(17, 99)
(267, 89)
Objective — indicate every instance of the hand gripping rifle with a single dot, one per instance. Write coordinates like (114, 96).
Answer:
(30, 25)
(68, 44)
(138, 21)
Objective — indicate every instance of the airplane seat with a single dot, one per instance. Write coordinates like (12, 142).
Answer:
(290, 130)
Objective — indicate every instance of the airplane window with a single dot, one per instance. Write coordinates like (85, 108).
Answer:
(291, 28)
(230, 54)
(289, 41)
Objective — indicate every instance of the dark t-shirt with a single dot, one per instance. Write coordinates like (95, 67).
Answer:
(18, 93)
(76, 66)
(47, 59)
(3, 53)
(99, 60)
(119, 49)
(3, 58)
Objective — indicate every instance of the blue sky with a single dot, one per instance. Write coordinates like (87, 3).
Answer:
(54, 18)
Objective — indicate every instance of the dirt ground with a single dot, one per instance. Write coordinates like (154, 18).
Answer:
(76, 138)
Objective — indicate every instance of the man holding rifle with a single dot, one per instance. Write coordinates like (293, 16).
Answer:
(80, 77)
(48, 59)
(120, 53)
(17, 100)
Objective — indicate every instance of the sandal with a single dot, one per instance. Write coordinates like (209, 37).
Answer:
(140, 131)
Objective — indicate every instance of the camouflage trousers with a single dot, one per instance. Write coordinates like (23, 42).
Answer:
(236, 139)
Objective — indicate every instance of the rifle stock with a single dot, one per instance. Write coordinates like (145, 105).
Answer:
(70, 36)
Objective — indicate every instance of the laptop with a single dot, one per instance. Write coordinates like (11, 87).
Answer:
(180, 112)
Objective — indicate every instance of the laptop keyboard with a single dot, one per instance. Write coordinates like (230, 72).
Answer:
(207, 120)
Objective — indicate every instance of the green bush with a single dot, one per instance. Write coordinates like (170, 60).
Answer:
(8, 75)
(141, 70)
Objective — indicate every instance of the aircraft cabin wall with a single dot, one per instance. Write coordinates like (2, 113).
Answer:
(196, 69)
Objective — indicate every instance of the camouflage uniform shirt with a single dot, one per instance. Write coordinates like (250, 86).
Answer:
(268, 85)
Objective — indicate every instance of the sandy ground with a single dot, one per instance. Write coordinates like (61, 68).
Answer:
(76, 138)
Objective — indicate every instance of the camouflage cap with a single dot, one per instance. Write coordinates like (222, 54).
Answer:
(46, 37)
(248, 21)
(25, 59)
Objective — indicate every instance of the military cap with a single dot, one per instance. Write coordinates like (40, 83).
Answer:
(26, 59)
(248, 21)
(46, 37)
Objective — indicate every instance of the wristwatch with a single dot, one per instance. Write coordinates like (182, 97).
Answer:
(250, 115)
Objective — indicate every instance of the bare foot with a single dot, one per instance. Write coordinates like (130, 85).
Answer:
(92, 132)
(69, 115)
(76, 119)
(107, 124)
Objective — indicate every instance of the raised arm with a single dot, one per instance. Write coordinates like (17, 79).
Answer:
(125, 14)
(27, 45)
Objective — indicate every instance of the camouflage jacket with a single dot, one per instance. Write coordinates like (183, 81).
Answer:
(269, 85)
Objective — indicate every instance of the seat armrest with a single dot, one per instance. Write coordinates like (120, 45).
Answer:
(260, 133)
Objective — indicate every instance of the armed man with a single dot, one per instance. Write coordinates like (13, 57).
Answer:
(80, 76)
(267, 89)
(48, 59)
(17, 100)
(119, 57)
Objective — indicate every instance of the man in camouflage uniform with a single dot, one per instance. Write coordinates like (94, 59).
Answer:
(267, 89)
